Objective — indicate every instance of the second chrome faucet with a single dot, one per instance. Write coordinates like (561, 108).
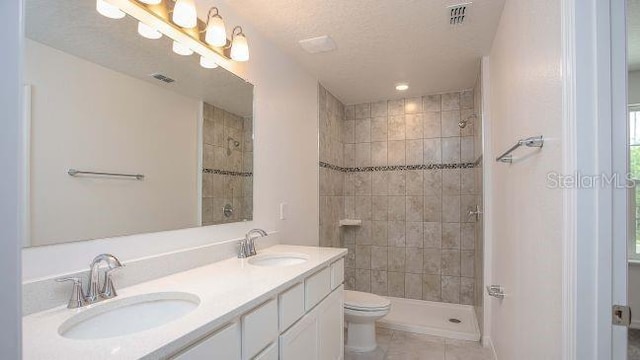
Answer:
(95, 292)
(247, 245)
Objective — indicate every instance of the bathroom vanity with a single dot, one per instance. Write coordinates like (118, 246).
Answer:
(276, 305)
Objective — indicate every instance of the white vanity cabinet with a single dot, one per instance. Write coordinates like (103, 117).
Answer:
(305, 321)
(222, 344)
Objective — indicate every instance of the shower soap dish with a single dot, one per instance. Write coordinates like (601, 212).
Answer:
(350, 222)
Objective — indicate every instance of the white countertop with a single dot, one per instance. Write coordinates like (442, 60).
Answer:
(226, 290)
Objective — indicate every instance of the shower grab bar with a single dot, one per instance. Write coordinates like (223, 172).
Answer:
(74, 172)
(535, 141)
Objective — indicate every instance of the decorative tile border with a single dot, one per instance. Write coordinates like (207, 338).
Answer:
(227, 172)
(401, 167)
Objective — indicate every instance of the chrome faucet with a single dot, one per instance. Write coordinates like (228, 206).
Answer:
(247, 245)
(94, 292)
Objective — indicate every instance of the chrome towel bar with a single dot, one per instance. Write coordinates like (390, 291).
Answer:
(74, 172)
(535, 141)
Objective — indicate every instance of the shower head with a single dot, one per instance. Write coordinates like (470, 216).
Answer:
(231, 142)
(463, 123)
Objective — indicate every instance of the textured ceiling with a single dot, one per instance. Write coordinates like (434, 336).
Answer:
(633, 36)
(75, 27)
(380, 42)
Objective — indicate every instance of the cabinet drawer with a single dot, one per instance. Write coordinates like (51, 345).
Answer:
(337, 273)
(270, 353)
(301, 340)
(259, 328)
(316, 287)
(223, 344)
(290, 306)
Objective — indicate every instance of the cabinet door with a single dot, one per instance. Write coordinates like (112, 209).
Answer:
(301, 340)
(259, 329)
(330, 314)
(223, 344)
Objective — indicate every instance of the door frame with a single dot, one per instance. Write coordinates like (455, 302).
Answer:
(595, 138)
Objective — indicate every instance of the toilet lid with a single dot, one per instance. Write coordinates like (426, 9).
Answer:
(364, 301)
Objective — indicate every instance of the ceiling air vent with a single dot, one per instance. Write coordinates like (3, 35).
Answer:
(162, 78)
(458, 13)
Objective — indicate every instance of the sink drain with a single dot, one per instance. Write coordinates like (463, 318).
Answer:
(455, 321)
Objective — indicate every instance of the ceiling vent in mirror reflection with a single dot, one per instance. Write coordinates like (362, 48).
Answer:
(458, 13)
(162, 78)
(318, 44)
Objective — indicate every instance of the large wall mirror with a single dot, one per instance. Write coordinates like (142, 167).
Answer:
(126, 136)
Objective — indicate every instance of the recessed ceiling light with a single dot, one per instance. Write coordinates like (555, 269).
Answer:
(402, 87)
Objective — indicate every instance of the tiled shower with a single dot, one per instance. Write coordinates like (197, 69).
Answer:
(411, 175)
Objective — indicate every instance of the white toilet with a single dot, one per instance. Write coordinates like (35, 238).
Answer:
(361, 310)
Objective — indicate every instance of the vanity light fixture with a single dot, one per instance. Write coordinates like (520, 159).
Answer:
(239, 46)
(148, 32)
(109, 10)
(181, 49)
(402, 87)
(178, 20)
(208, 63)
(216, 34)
(185, 14)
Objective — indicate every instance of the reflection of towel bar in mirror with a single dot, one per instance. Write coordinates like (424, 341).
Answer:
(74, 172)
(535, 141)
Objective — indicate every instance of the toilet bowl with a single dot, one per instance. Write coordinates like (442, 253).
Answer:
(361, 310)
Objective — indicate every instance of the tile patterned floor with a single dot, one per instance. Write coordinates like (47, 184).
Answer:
(633, 351)
(400, 345)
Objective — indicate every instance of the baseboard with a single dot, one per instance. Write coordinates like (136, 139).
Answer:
(486, 342)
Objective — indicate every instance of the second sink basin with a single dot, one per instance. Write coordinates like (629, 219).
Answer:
(129, 315)
(286, 259)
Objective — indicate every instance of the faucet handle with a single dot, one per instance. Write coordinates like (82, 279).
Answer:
(77, 298)
(243, 251)
(108, 289)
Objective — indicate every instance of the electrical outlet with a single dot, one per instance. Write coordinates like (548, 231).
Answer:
(283, 211)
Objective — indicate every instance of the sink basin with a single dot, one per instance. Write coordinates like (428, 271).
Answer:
(278, 259)
(129, 315)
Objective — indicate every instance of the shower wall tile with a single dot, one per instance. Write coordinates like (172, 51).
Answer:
(415, 240)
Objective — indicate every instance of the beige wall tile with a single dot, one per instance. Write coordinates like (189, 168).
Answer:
(466, 99)
(450, 262)
(450, 289)
(467, 264)
(414, 208)
(413, 105)
(451, 150)
(414, 236)
(433, 208)
(363, 154)
(432, 182)
(363, 207)
(349, 131)
(395, 107)
(349, 155)
(396, 234)
(397, 208)
(432, 261)
(379, 282)
(431, 287)
(414, 152)
(396, 152)
(414, 182)
(379, 153)
(413, 286)
(414, 126)
(379, 207)
(379, 233)
(350, 112)
(396, 183)
(379, 129)
(432, 235)
(362, 183)
(363, 130)
(467, 290)
(431, 103)
(432, 124)
(396, 127)
(396, 283)
(379, 108)
(379, 258)
(451, 101)
(363, 280)
(363, 257)
(451, 208)
(414, 258)
(380, 183)
(450, 235)
(363, 111)
(467, 236)
(450, 120)
(396, 259)
(432, 151)
(363, 233)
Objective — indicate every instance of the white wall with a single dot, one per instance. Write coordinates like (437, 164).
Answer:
(634, 87)
(10, 207)
(285, 167)
(88, 117)
(525, 99)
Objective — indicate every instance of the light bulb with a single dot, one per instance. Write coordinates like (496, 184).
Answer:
(181, 49)
(108, 10)
(216, 33)
(148, 32)
(240, 48)
(184, 14)
(402, 87)
(151, 2)
(207, 63)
